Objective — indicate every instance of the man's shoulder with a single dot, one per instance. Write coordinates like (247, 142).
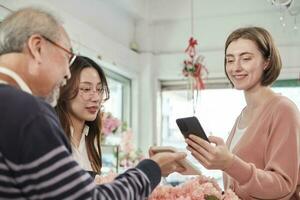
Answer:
(18, 104)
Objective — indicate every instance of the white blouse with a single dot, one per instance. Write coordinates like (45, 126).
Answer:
(239, 132)
(237, 136)
(80, 154)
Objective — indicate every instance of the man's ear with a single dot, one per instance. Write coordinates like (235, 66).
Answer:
(34, 44)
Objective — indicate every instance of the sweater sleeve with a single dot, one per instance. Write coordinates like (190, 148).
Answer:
(278, 180)
(136, 183)
(43, 168)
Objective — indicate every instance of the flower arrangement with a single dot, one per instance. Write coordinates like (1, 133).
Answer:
(199, 188)
(129, 156)
(110, 124)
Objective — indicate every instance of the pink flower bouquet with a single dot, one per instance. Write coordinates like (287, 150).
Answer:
(199, 188)
(129, 156)
(110, 124)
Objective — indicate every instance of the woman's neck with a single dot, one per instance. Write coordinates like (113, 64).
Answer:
(257, 98)
(78, 127)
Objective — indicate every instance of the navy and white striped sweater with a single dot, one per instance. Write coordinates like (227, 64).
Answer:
(36, 161)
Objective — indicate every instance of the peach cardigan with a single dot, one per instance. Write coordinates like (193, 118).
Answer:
(266, 164)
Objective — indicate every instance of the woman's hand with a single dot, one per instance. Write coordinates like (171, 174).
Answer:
(210, 156)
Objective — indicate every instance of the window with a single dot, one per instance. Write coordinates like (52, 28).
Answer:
(217, 108)
(119, 103)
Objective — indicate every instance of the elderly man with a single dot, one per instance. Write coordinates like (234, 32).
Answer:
(35, 160)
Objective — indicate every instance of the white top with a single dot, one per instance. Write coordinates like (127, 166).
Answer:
(13, 75)
(3, 82)
(238, 134)
(80, 153)
(236, 137)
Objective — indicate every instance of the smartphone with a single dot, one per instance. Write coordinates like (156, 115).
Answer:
(191, 125)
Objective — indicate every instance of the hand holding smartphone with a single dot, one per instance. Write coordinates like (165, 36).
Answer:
(191, 125)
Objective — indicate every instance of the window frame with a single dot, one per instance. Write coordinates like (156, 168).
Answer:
(126, 94)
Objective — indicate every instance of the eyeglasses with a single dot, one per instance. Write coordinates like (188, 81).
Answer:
(88, 92)
(72, 55)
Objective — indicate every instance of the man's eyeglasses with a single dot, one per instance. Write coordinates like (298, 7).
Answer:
(72, 55)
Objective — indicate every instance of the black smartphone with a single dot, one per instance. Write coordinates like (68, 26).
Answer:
(191, 125)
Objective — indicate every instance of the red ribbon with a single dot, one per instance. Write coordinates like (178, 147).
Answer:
(191, 49)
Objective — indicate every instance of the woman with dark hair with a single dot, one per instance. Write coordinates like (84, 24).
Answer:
(79, 111)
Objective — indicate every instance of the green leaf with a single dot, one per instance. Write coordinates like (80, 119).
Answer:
(210, 197)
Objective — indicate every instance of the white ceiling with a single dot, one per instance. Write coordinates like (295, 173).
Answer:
(160, 9)
(164, 26)
(114, 16)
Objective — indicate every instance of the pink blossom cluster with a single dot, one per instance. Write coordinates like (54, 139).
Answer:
(199, 188)
(129, 156)
(110, 124)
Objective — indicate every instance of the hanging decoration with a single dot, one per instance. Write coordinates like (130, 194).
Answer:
(193, 67)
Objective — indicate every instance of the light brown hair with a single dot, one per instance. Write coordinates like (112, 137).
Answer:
(265, 44)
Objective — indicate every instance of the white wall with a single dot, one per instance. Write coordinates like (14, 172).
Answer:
(111, 42)
(212, 25)
(168, 29)
(106, 27)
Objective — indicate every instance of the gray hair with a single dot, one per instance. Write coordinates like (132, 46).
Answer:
(16, 28)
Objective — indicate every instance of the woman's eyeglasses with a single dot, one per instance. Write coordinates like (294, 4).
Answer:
(88, 91)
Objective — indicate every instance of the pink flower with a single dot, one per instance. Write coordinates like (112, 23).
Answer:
(110, 124)
(126, 144)
(129, 156)
(199, 188)
(230, 195)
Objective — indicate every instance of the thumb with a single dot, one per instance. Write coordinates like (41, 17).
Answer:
(150, 151)
(179, 155)
(216, 140)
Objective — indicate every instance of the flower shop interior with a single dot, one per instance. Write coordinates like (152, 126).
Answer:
(143, 47)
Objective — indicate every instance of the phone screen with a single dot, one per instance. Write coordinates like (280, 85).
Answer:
(191, 125)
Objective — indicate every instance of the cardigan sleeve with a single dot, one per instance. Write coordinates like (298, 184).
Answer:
(279, 178)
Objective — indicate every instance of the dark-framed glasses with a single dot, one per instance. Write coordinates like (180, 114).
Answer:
(72, 55)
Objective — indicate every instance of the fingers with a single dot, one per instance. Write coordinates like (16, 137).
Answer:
(194, 147)
(216, 140)
(179, 169)
(151, 152)
(204, 161)
(199, 141)
(172, 167)
(179, 156)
